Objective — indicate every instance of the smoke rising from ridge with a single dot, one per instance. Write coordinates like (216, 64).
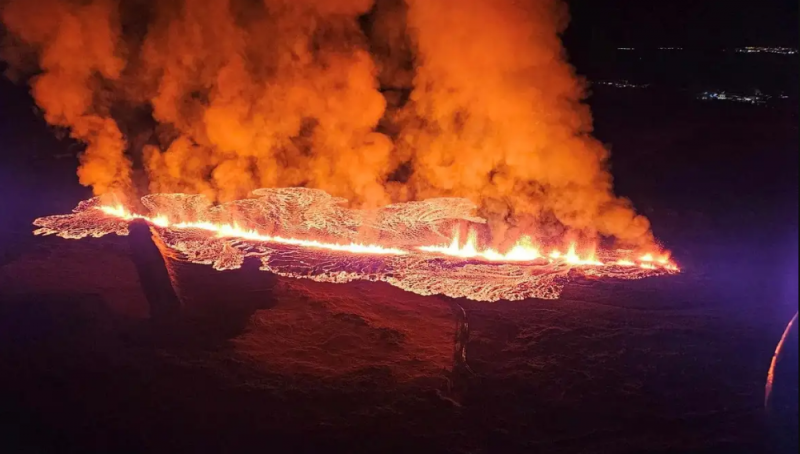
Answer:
(374, 101)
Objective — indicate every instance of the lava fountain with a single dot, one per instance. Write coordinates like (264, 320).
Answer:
(306, 233)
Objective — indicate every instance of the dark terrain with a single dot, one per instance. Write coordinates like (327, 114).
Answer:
(673, 364)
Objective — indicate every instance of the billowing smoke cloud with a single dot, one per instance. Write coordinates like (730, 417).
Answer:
(282, 93)
(496, 116)
(372, 100)
(77, 55)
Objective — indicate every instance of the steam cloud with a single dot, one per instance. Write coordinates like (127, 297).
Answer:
(375, 101)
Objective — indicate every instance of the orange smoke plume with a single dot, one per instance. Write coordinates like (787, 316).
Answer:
(77, 52)
(496, 116)
(376, 101)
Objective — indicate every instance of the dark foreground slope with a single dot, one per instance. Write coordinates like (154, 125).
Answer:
(615, 367)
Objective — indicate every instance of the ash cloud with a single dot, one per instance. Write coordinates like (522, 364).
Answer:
(376, 101)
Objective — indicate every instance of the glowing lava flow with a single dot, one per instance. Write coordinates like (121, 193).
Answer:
(522, 251)
(234, 231)
(313, 236)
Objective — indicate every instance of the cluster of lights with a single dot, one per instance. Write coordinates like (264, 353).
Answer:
(767, 50)
(621, 84)
(755, 99)
(743, 50)
(722, 96)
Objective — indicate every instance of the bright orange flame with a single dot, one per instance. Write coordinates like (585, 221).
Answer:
(523, 250)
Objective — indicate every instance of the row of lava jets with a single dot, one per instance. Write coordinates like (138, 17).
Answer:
(523, 251)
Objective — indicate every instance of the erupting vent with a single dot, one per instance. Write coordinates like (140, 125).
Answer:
(306, 233)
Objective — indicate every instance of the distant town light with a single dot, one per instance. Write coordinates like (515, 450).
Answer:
(756, 99)
(620, 84)
(768, 50)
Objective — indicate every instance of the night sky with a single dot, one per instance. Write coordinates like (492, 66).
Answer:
(686, 23)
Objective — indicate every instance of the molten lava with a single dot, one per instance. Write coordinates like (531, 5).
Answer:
(235, 231)
(307, 233)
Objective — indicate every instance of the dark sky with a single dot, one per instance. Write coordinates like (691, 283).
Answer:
(686, 23)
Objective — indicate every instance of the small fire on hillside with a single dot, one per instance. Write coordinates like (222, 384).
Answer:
(305, 233)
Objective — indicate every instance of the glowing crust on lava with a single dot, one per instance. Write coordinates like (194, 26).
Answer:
(305, 233)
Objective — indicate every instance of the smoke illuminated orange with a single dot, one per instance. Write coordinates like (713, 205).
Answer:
(489, 109)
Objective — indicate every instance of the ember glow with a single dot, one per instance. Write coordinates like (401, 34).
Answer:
(306, 233)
